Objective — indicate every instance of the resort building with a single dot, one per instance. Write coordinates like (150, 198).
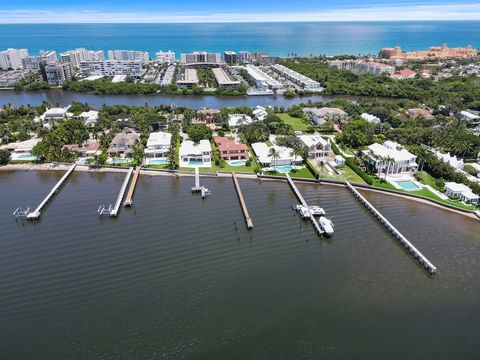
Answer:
(317, 146)
(363, 67)
(297, 78)
(196, 155)
(123, 143)
(89, 117)
(370, 118)
(165, 57)
(468, 116)
(11, 59)
(320, 116)
(57, 73)
(391, 158)
(433, 53)
(284, 157)
(450, 160)
(200, 58)
(133, 68)
(224, 80)
(158, 147)
(461, 191)
(237, 120)
(129, 55)
(189, 79)
(231, 150)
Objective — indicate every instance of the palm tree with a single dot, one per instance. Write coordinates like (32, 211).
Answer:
(274, 154)
(390, 161)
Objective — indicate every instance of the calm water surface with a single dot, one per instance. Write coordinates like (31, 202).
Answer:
(173, 279)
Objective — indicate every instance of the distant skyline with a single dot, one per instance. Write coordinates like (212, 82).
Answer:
(190, 11)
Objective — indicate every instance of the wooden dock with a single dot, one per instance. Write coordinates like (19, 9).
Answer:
(129, 199)
(121, 194)
(397, 234)
(248, 219)
(304, 203)
(197, 187)
(35, 214)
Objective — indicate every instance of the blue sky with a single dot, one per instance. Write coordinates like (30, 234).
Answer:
(44, 11)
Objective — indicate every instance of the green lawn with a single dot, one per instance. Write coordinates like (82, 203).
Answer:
(296, 123)
(347, 174)
(427, 179)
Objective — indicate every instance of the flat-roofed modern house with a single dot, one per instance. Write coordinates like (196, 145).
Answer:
(195, 154)
(158, 147)
(317, 146)
(123, 142)
(285, 155)
(230, 149)
(320, 116)
(237, 120)
(462, 191)
(390, 158)
(89, 117)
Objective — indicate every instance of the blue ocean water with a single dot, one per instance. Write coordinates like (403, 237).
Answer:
(278, 39)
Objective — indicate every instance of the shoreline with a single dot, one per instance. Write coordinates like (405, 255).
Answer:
(154, 172)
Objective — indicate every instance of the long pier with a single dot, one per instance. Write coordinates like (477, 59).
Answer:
(129, 199)
(35, 214)
(304, 203)
(248, 219)
(393, 230)
(114, 211)
(197, 187)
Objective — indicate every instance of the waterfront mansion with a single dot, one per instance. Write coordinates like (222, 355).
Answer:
(390, 158)
(195, 154)
(158, 146)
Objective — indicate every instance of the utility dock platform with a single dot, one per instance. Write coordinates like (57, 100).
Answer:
(248, 219)
(304, 203)
(403, 240)
(129, 199)
(197, 187)
(35, 214)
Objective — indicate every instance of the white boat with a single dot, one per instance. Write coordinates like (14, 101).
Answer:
(327, 225)
(304, 211)
(317, 210)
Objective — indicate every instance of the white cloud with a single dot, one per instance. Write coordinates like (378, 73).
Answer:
(398, 12)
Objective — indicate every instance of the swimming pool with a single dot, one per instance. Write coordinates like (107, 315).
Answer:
(408, 185)
(120, 160)
(157, 162)
(195, 163)
(237, 162)
(26, 157)
(282, 168)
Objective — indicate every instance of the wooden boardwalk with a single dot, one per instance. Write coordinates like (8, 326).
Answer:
(129, 199)
(248, 219)
(393, 230)
(34, 215)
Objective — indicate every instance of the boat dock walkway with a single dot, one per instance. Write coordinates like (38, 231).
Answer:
(248, 219)
(403, 240)
(304, 203)
(121, 194)
(197, 187)
(34, 215)
(129, 199)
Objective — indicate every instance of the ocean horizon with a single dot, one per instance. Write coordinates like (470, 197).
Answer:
(276, 38)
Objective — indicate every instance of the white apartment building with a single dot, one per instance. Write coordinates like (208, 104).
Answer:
(363, 67)
(129, 55)
(95, 55)
(48, 57)
(200, 57)
(57, 73)
(12, 59)
(111, 68)
(31, 63)
(244, 56)
(296, 77)
(262, 79)
(165, 57)
(74, 57)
